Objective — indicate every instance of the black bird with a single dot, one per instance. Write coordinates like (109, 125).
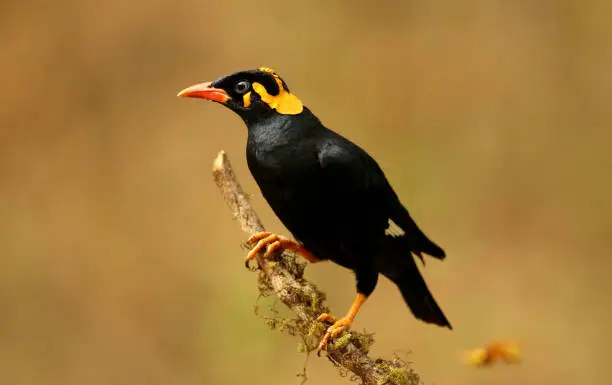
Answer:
(329, 193)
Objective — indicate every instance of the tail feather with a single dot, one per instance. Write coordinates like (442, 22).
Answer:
(396, 263)
(419, 243)
(420, 300)
(416, 239)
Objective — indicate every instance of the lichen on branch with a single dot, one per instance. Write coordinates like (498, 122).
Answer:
(283, 276)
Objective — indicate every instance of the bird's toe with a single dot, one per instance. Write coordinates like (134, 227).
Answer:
(339, 325)
(324, 317)
(257, 237)
(272, 247)
(268, 243)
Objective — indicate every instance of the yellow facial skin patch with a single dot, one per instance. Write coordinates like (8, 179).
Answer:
(246, 99)
(284, 103)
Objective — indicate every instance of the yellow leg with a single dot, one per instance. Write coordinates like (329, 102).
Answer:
(340, 324)
(273, 242)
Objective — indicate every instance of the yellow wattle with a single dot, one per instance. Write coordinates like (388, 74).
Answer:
(284, 103)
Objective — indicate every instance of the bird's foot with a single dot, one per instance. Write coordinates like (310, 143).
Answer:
(273, 242)
(262, 240)
(338, 326)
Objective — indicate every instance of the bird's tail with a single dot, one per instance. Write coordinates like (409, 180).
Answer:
(400, 267)
(413, 237)
(420, 243)
(420, 300)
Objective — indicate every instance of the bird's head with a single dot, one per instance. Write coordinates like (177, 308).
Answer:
(251, 94)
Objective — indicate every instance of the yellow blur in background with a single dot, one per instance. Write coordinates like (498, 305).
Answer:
(493, 353)
(119, 263)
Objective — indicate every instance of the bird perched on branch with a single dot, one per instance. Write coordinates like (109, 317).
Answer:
(329, 193)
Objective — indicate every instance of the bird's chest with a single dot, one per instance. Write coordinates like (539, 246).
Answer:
(278, 162)
(288, 173)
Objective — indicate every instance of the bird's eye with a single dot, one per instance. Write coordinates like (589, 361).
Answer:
(242, 87)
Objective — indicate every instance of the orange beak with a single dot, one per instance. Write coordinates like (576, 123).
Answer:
(205, 91)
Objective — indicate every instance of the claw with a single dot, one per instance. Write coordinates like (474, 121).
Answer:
(272, 243)
(262, 239)
(252, 239)
(339, 325)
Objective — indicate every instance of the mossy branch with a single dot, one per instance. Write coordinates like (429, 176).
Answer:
(284, 276)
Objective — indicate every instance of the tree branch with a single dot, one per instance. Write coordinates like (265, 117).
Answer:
(284, 276)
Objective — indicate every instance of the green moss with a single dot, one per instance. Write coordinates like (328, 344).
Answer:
(397, 376)
(315, 300)
(394, 372)
(316, 328)
(344, 339)
(263, 285)
(289, 325)
(290, 262)
(397, 373)
(364, 341)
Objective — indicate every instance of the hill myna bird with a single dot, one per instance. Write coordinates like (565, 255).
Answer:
(327, 191)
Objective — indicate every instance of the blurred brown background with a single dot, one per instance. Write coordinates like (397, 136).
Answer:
(119, 263)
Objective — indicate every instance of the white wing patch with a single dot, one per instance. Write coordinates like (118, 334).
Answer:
(394, 229)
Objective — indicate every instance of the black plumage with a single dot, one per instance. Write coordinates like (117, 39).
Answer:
(330, 194)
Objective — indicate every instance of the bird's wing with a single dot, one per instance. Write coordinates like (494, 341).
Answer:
(355, 177)
(356, 183)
